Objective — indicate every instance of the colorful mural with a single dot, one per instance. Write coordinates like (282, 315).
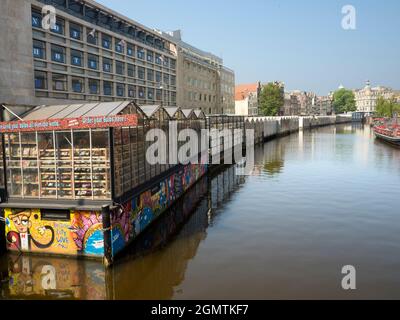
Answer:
(28, 231)
(81, 232)
(132, 218)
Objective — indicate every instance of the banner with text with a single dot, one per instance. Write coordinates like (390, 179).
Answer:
(127, 120)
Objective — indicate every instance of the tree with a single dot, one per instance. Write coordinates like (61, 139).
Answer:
(386, 107)
(271, 99)
(344, 101)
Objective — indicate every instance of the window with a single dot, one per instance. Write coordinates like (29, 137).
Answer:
(39, 49)
(107, 65)
(141, 92)
(58, 27)
(63, 171)
(131, 70)
(150, 93)
(141, 73)
(93, 61)
(107, 88)
(140, 53)
(119, 67)
(173, 97)
(166, 62)
(59, 82)
(150, 75)
(58, 54)
(36, 20)
(158, 94)
(166, 78)
(158, 77)
(106, 41)
(75, 31)
(173, 64)
(158, 59)
(93, 86)
(92, 37)
(48, 166)
(130, 50)
(77, 85)
(119, 47)
(120, 90)
(40, 80)
(131, 91)
(55, 215)
(76, 58)
(150, 56)
(173, 80)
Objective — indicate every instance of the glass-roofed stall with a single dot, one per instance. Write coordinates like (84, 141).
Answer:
(75, 179)
(63, 152)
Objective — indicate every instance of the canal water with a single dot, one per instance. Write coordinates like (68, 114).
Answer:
(316, 201)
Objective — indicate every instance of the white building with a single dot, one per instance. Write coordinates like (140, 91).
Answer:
(366, 98)
(246, 99)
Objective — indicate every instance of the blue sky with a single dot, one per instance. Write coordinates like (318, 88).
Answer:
(299, 42)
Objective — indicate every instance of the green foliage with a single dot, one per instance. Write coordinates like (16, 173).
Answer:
(271, 99)
(386, 107)
(344, 101)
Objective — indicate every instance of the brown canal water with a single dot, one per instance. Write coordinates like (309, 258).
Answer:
(317, 201)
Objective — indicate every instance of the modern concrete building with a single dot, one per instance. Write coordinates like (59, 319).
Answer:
(202, 81)
(367, 97)
(247, 99)
(227, 90)
(91, 53)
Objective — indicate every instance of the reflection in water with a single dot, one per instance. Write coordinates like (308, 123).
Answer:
(33, 277)
(316, 201)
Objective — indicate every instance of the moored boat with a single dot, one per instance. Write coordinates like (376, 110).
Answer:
(388, 133)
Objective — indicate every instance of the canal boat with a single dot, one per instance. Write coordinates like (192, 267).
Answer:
(388, 133)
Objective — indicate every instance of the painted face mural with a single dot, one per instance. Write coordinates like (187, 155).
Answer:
(21, 238)
(27, 230)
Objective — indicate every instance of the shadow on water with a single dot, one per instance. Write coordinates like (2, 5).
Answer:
(149, 269)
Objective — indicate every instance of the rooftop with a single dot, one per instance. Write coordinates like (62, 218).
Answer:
(242, 91)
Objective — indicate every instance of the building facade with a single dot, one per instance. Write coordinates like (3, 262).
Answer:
(90, 54)
(291, 105)
(202, 81)
(366, 98)
(324, 106)
(247, 99)
(306, 100)
(227, 91)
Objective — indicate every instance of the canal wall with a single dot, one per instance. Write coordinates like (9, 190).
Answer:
(266, 128)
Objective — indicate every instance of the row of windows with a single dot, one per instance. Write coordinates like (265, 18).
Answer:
(198, 68)
(202, 84)
(60, 83)
(194, 96)
(58, 54)
(120, 46)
